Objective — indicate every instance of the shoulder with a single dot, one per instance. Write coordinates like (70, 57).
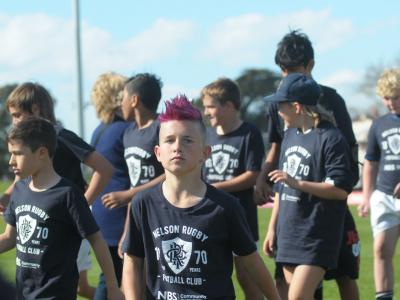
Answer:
(330, 133)
(331, 98)
(251, 128)
(224, 200)
(147, 197)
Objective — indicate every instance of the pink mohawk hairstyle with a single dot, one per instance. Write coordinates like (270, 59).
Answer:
(180, 109)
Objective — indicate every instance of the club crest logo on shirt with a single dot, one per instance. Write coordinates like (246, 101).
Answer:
(177, 253)
(220, 161)
(293, 162)
(134, 166)
(26, 228)
(394, 143)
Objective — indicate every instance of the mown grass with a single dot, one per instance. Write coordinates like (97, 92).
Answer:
(365, 282)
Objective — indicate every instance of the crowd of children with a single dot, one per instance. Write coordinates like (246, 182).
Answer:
(174, 204)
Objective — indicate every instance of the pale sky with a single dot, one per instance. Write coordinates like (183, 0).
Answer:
(189, 43)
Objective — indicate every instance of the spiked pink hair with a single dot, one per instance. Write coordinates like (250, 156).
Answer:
(180, 109)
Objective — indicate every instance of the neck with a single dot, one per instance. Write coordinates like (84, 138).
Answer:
(144, 118)
(307, 123)
(44, 178)
(184, 191)
(233, 124)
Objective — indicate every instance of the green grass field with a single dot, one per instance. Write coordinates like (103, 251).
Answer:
(366, 283)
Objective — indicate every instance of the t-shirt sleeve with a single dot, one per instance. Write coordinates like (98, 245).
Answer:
(337, 161)
(80, 214)
(133, 242)
(273, 124)
(254, 151)
(78, 147)
(9, 214)
(240, 237)
(373, 152)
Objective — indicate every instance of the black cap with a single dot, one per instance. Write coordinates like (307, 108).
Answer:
(297, 87)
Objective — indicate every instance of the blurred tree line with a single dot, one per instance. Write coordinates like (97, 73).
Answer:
(5, 121)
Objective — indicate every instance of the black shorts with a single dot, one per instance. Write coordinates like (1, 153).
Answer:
(349, 256)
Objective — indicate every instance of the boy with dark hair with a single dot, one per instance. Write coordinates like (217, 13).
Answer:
(47, 217)
(141, 96)
(32, 99)
(295, 54)
(237, 151)
(183, 230)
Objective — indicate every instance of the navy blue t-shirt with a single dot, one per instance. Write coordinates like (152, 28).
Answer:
(143, 165)
(107, 140)
(310, 228)
(50, 227)
(333, 103)
(188, 250)
(232, 154)
(384, 146)
(71, 151)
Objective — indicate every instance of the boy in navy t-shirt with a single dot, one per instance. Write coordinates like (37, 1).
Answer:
(381, 183)
(183, 230)
(47, 218)
(237, 151)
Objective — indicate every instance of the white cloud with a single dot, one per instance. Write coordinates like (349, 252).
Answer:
(39, 45)
(246, 39)
(343, 78)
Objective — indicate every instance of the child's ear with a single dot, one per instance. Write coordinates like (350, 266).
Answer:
(297, 107)
(157, 152)
(43, 152)
(134, 100)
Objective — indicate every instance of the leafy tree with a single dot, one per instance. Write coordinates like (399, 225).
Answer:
(5, 121)
(254, 85)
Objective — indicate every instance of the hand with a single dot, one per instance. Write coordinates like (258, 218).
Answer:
(115, 199)
(396, 191)
(121, 240)
(363, 208)
(263, 190)
(4, 199)
(269, 243)
(280, 176)
(115, 294)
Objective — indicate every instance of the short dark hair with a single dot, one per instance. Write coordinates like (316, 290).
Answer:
(35, 132)
(147, 87)
(223, 90)
(28, 94)
(294, 50)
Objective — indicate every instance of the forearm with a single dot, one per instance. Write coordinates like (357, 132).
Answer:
(239, 183)
(104, 259)
(260, 275)
(102, 172)
(132, 277)
(370, 172)
(274, 214)
(8, 239)
(322, 190)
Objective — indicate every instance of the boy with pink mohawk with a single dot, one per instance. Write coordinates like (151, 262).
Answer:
(185, 228)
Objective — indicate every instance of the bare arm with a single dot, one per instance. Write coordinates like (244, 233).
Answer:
(132, 277)
(263, 189)
(104, 259)
(5, 198)
(260, 275)
(122, 198)
(239, 183)
(102, 172)
(269, 246)
(370, 173)
(8, 238)
(322, 190)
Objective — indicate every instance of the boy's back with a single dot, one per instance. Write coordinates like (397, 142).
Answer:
(50, 226)
(233, 154)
